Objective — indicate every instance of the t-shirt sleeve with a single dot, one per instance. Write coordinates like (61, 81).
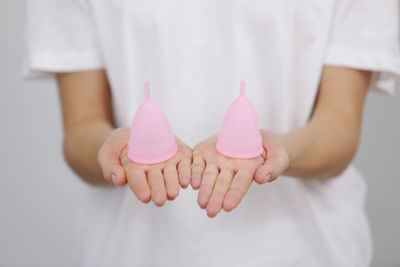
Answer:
(59, 37)
(364, 35)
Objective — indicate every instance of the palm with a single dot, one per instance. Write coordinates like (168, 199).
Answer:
(223, 181)
(159, 182)
(156, 181)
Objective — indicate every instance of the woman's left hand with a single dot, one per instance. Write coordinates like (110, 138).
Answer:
(224, 181)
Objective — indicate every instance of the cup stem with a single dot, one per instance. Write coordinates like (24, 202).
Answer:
(147, 91)
(242, 88)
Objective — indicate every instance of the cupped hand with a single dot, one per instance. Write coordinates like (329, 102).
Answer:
(223, 181)
(156, 182)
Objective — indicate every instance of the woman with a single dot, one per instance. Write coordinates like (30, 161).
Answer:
(308, 65)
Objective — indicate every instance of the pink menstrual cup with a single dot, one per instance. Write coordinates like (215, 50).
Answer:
(151, 140)
(240, 135)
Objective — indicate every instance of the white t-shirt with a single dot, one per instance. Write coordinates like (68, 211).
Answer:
(194, 53)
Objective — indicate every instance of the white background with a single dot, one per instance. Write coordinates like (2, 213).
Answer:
(39, 195)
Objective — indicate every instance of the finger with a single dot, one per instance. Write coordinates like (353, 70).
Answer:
(197, 170)
(207, 184)
(138, 183)
(157, 186)
(185, 172)
(171, 181)
(111, 166)
(274, 165)
(239, 187)
(221, 187)
(263, 174)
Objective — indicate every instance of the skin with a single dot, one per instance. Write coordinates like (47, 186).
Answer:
(224, 181)
(156, 182)
(87, 121)
(321, 149)
(96, 151)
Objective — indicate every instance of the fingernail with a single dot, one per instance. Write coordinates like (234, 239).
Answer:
(266, 179)
(114, 179)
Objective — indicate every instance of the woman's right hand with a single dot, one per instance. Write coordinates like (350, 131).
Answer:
(156, 182)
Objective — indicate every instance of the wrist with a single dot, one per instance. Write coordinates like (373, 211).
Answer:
(295, 143)
(81, 145)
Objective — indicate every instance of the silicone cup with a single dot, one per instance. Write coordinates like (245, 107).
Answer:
(151, 140)
(240, 135)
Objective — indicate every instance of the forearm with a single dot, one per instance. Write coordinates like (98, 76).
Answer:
(81, 145)
(87, 119)
(323, 148)
(327, 144)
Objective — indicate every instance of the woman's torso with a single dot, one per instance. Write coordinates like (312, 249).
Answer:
(194, 54)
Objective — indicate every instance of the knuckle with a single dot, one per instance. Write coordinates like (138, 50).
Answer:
(237, 192)
(219, 193)
(169, 171)
(157, 185)
(241, 179)
(198, 160)
(183, 178)
(170, 174)
(224, 181)
(229, 167)
(184, 170)
(209, 173)
(184, 163)
(153, 171)
(196, 150)
(136, 179)
(229, 170)
(135, 184)
(196, 166)
(205, 187)
(212, 163)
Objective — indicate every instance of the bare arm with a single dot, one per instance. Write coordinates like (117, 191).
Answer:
(98, 153)
(87, 116)
(328, 143)
(322, 148)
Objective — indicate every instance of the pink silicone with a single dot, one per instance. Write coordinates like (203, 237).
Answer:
(240, 135)
(151, 140)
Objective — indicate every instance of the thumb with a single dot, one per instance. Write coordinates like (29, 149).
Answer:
(263, 173)
(274, 165)
(111, 166)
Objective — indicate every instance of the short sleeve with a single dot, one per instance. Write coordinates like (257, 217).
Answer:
(59, 37)
(364, 35)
